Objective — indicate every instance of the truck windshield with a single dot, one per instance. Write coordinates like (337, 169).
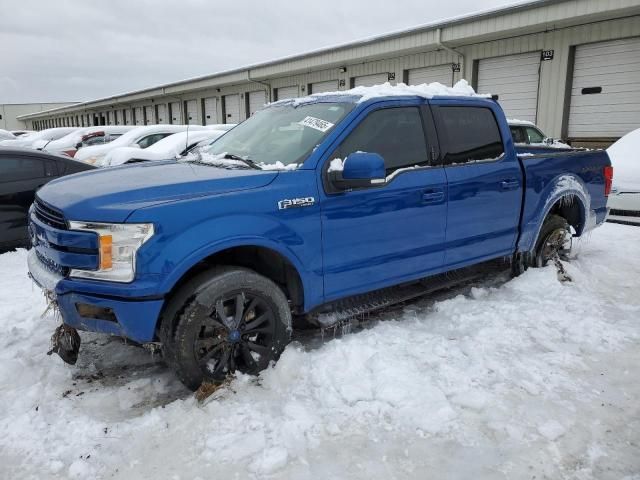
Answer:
(277, 137)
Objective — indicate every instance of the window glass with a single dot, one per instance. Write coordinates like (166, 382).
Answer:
(15, 169)
(535, 136)
(394, 133)
(468, 134)
(518, 135)
(151, 139)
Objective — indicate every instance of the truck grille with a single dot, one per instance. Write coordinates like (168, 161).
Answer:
(48, 215)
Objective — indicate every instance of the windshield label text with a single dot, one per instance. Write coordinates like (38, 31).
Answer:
(316, 123)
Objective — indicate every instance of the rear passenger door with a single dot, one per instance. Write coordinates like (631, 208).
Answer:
(383, 235)
(20, 177)
(484, 182)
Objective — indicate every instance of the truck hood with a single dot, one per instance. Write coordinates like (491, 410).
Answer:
(112, 194)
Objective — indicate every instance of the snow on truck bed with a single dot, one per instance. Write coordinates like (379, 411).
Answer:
(527, 378)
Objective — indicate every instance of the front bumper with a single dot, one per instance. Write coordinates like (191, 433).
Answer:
(132, 318)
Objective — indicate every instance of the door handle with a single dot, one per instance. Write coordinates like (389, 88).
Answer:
(509, 184)
(432, 196)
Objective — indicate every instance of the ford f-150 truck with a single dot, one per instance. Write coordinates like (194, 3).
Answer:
(310, 210)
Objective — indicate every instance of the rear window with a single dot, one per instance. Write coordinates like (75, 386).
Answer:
(16, 169)
(468, 134)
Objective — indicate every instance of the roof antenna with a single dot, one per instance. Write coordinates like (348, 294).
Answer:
(186, 140)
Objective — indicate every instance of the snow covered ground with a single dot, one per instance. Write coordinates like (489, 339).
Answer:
(520, 379)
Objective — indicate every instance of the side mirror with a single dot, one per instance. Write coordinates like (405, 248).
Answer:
(549, 140)
(359, 170)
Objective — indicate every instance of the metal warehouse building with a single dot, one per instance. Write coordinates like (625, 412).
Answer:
(571, 66)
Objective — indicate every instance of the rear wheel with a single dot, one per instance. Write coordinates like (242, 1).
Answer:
(236, 319)
(554, 241)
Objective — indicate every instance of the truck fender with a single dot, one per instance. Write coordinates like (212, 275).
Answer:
(565, 187)
(211, 249)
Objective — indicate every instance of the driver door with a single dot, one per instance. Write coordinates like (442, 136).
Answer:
(383, 235)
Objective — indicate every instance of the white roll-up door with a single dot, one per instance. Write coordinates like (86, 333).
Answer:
(282, 93)
(150, 115)
(139, 118)
(210, 111)
(370, 80)
(515, 79)
(193, 118)
(439, 73)
(162, 114)
(128, 115)
(175, 115)
(232, 108)
(605, 93)
(256, 101)
(319, 87)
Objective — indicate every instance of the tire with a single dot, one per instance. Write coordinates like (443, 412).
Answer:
(553, 239)
(225, 319)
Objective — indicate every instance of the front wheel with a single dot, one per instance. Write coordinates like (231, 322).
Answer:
(554, 241)
(236, 319)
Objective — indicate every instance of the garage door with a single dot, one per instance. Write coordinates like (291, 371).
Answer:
(282, 93)
(150, 115)
(514, 78)
(370, 80)
(128, 115)
(231, 108)
(210, 110)
(192, 112)
(256, 101)
(319, 87)
(175, 115)
(605, 94)
(138, 116)
(439, 73)
(162, 114)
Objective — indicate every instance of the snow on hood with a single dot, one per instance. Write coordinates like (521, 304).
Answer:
(29, 139)
(625, 158)
(425, 90)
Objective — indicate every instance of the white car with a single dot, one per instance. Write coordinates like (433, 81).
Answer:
(173, 146)
(29, 139)
(624, 200)
(528, 133)
(70, 143)
(5, 135)
(140, 137)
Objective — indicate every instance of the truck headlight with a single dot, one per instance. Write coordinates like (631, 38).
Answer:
(118, 244)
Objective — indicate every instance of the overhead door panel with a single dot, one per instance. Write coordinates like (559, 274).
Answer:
(319, 87)
(515, 79)
(139, 118)
(192, 112)
(605, 93)
(162, 113)
(150, 115)
(439, 73)
(128, 117)
(176, 117)
(232, 108)
(210, 111)
(370, 80)
(282, 93)
(256, 101)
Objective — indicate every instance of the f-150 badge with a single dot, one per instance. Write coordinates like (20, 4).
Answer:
(296, 203)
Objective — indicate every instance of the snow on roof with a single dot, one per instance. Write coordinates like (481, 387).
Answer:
(515, 121)
(625, 158)
(425, 90)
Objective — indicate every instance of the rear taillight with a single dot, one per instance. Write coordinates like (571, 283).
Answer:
(608, 180)
(70, 153)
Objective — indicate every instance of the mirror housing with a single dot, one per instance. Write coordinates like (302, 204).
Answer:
(360, 170)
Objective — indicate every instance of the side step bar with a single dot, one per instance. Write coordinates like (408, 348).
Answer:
(344, 309)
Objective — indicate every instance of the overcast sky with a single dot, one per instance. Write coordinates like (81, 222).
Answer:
(63, 50)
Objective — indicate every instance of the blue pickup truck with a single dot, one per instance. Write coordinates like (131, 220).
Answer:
(311, 210)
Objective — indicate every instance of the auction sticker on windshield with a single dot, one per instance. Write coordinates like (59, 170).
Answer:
(316, 123)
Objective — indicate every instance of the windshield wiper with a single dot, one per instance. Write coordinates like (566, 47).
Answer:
(246, 161)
